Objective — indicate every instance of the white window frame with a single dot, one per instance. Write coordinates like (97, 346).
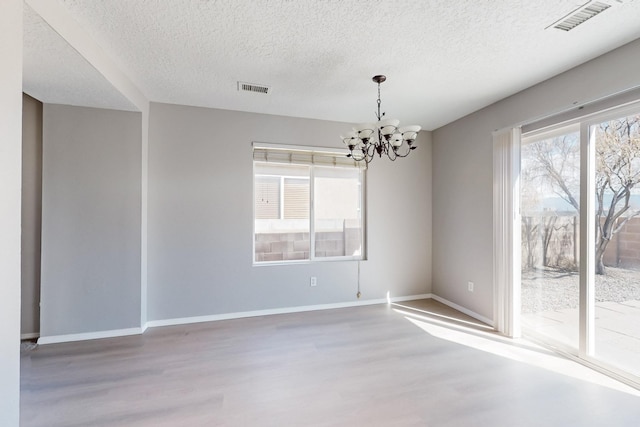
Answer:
(306, 156)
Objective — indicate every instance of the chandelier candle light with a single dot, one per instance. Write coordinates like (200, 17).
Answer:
(382, 137)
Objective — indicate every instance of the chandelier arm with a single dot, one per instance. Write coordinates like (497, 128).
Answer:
(408, 151)
(368, 152)
(392, 154)
(367, 158)
(371, 150)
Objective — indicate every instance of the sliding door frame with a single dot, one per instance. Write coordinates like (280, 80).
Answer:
(586, 296)
(507, 223)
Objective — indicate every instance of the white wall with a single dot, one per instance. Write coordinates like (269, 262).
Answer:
(463, 170)
(10, 182)
(91, 201)
(200, 218)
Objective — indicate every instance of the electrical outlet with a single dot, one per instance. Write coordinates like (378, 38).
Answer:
(470, 286)
(314, 281)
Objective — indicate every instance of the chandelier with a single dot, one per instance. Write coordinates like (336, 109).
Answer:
(383, 137)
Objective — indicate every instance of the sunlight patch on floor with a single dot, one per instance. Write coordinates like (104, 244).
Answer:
(515, 349)
(476, 324)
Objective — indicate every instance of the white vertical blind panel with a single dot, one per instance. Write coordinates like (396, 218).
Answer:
(506, 220)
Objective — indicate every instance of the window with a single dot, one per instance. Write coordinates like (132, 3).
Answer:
(308, 205)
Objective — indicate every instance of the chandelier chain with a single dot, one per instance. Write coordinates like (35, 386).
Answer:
(379, 103)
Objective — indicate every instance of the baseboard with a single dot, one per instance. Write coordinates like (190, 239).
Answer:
(409, 298)
(30, 336)
(89, 336)
(464, 310)
(216, 317)
(286, 310)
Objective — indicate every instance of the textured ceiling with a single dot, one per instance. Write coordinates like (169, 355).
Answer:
(55, 73)
(443, 58)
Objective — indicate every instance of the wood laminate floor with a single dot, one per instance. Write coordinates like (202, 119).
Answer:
(410, 364)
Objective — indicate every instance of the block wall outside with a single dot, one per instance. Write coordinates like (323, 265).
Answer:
(623, 250)
(296, 246)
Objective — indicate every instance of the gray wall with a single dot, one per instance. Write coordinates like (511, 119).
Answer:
(90, 220)
(463, 171)
(200, 218)
(31, 213)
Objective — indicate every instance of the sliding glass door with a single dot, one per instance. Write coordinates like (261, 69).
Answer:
(616, 267)
(580, 239)
(550, 213)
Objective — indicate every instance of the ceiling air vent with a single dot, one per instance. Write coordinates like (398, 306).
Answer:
(580, 15)
(252, 87)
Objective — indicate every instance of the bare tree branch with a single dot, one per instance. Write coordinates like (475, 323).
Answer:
(555, 161)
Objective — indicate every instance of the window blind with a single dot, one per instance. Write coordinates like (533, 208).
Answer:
(296, 198)
(304, 156)
(267, 194)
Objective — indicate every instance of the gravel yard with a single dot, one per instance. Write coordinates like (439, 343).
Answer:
(554, 289)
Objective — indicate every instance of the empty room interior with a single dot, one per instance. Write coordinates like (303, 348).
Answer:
(291, 213)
